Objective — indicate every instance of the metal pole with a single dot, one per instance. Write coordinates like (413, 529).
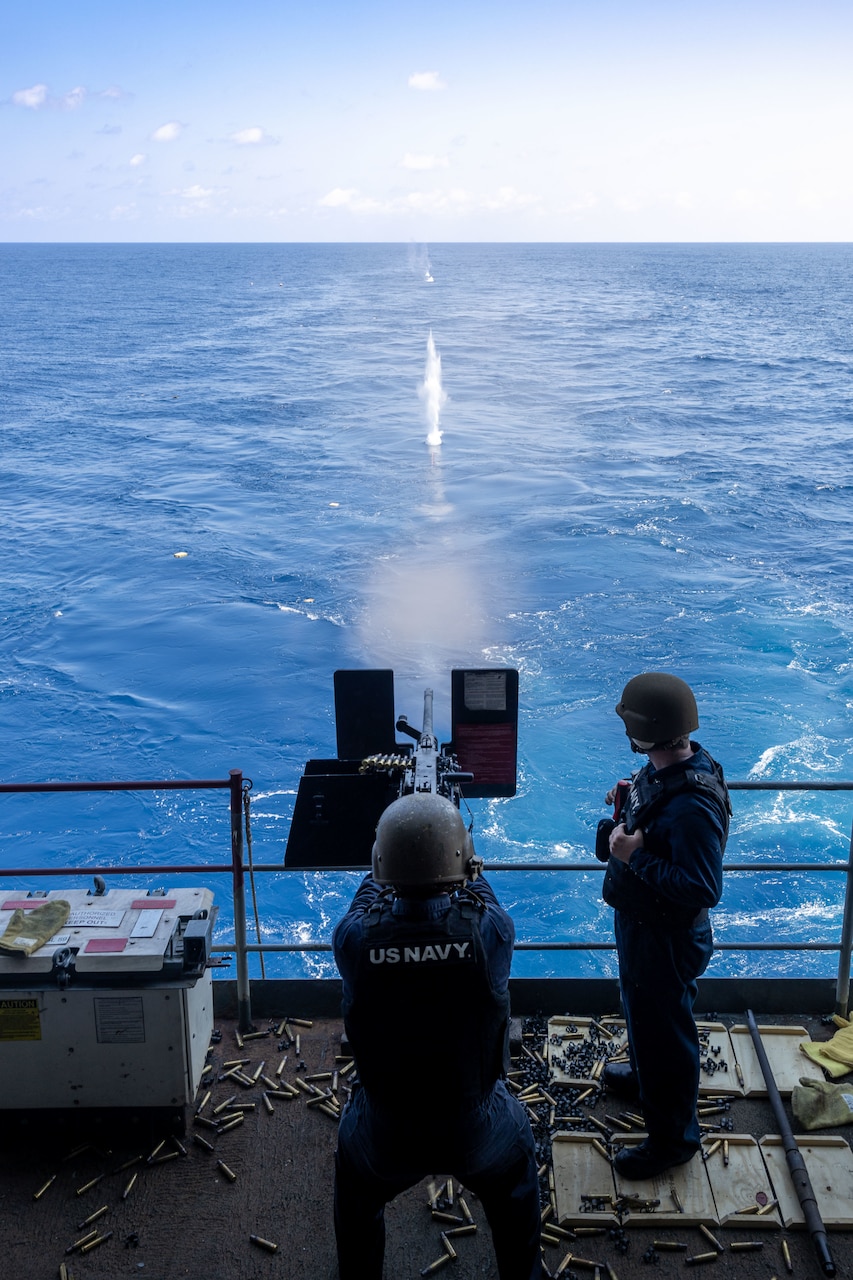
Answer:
(796, 1165)
(842, 986)
(244, 997)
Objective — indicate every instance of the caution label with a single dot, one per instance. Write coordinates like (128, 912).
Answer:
(19, 1020)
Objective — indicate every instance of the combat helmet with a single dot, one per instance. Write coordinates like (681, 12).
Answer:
(658, 709)
(422, 841)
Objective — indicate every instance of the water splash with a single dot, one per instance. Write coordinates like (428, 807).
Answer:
(431, 392)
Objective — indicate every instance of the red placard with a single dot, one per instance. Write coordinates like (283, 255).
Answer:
(27, 904)
(153, 904)
(103, 945)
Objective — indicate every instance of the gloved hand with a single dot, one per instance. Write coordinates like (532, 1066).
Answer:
(817, 1104)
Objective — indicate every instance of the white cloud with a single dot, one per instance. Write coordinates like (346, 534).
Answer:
(411, 161)
(33, 98)
(74, 98)
(454, 200)
(197, 192)
(167, 132)
(249, 137)
(138, 159)
(426, 80)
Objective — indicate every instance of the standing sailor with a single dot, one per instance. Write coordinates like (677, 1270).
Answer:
(665, 869)
(425, 952)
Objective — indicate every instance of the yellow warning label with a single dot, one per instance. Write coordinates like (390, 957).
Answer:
(19, 1020)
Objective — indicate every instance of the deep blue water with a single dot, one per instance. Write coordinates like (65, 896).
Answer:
(646, 462)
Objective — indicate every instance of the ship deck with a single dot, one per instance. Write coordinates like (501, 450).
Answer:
(183, 1214)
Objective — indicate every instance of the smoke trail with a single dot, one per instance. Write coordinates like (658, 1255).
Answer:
(431, 392)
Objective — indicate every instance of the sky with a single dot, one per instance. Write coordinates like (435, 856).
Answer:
(390, 121)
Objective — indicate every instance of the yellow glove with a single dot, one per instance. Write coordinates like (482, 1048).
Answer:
(820, 1105)
(840, 1047)
(29, 930)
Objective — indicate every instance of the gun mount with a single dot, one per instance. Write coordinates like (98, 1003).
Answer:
(340, 800)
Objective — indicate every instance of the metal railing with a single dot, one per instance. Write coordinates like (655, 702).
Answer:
(234, 783)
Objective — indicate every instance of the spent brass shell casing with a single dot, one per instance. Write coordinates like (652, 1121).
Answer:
(586, 1264)
(767, 1208)
(600, 1148)
(301, 1022)
(669, 1246)
(203, 1120)
(201, 1106)
(438, 1215)
(435, 1266)
(225, 1171)
(182, 1151)
(469, 1229)
(726, 1152)
(564, 1264)
(264, 1244)
(599, 1124)
(255, 1035)
(561, 1231)
(546, 1237)
(223, 1106)
(619, 1124)
(466, 1212)
(129, 1186)
(63, 1271)
(93, 1217)
(239, 1039)
(676, 1200)
(590, 1231)
(37, 1195)
(739, 1074)
(258, 1072)
(746, 1246)
(87, 1186)
(170, 1155)
(710, 1237)
(713, 1148)
(546, 1212)
(698, 1258)
(448, 1246)
(236, 1062)
(320, 1075)
(786, 1254)
(268, 1105)
(329, 1111)
(202, 1142)
(269, 1082)
(232, 1124)
(93, 1244)
(160, 1145)
(582, 1097)
(78, 1244)
(297, 1045)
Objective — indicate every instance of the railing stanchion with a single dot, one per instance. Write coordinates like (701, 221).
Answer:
(842, 985)
(244, 997)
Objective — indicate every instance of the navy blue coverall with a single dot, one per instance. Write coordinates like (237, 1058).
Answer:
(664, 943)
(425, 987)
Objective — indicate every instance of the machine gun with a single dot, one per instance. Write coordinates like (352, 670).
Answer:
(340, 800)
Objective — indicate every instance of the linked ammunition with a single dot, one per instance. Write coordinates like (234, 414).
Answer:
(87, 1186)
(448, 1246)
(202, 1142)
(37, 1195)
(78, 1244)
(746, 1246)
(698, 1258)
(99, 1213)
(129, 1186)
(264, 1244)
(93, 1244)
(225, 1171)
(710, 1237)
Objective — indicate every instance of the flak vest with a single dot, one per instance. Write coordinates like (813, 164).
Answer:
(423, 1021)
(623, 889)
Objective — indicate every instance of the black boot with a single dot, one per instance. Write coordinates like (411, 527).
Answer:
(620, 1079)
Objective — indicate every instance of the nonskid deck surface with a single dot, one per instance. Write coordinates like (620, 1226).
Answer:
(192, 1206)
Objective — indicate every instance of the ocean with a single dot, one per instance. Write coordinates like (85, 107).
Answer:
(217, 489)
